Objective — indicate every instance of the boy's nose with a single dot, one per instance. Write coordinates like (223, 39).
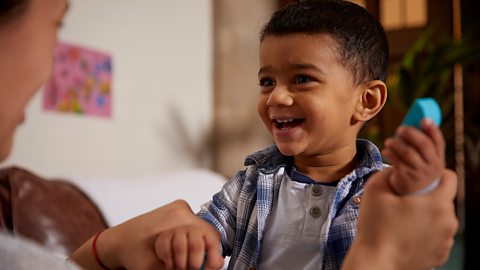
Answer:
(280, 96)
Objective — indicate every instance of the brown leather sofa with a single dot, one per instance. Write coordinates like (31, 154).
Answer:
(54, 213)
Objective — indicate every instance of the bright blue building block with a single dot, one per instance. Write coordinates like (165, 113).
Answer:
(423, 108)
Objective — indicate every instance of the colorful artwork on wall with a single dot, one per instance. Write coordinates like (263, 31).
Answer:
(81, 82)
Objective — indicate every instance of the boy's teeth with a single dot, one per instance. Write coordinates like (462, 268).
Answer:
(285, 121)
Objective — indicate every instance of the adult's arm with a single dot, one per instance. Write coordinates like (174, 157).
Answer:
(131, 244)
(404, 232)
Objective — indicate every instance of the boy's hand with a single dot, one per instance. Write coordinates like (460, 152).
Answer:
(186, 246)
(417, 156)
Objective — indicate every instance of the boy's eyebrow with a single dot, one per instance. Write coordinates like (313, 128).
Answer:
(308, 66)
(294, 66)
(264, 69)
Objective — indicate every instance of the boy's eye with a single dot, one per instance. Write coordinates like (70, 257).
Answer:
(266, 82)
(299, 79)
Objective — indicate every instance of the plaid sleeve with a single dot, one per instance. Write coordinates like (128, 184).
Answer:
(221, 211)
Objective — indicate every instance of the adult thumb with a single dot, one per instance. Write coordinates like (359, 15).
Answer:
(379, 182)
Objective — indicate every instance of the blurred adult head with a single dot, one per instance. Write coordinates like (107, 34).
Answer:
(28, 33)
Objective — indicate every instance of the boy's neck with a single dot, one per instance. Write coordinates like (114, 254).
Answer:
(328, 167)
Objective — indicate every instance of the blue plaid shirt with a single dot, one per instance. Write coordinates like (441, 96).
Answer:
(241, 209)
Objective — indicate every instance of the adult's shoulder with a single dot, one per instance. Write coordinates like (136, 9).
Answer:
(20, 253)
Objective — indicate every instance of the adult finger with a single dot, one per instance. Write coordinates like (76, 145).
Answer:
(378, 183)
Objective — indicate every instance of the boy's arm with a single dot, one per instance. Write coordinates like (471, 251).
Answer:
(198, 244)
(221, 211)
(403, 232)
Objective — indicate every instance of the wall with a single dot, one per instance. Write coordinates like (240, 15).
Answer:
(238, 129)
(162, 94)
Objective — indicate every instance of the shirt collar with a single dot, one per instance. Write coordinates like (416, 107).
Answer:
(368, 154)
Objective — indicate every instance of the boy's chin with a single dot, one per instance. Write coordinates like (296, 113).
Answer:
(288, 150)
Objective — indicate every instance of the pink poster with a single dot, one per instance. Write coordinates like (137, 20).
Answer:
(81, 82)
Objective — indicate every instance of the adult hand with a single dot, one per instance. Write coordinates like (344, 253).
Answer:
(404, 232)
(131, 244)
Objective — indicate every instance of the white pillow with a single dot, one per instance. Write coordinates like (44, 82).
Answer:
(122, 199)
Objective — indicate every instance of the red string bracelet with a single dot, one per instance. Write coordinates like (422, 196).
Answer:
(95, 254)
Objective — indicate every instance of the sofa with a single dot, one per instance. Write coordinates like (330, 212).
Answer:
(61, 214)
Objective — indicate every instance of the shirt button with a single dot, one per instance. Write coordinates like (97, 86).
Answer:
(316, 190)
(315, 212)
(357, 200)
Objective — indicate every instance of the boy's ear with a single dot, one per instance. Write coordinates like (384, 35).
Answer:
(371, 100)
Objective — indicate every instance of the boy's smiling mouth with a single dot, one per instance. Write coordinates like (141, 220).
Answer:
(285, 124)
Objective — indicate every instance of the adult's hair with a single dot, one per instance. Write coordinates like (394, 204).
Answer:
(361, 40)
(9, 9)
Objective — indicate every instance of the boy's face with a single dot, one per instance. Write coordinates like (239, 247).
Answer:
(307, 96)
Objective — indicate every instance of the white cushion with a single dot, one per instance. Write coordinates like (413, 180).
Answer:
(122, 199)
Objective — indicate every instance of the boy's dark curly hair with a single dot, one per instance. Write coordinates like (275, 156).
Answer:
(362, 43)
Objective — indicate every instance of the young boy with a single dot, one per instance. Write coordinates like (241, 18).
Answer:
(323, 66)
